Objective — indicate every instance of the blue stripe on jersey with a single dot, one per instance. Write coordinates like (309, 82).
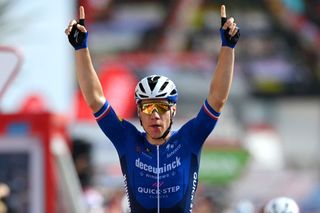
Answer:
(210, 111)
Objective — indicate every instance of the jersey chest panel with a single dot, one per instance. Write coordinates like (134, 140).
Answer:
(171, 174)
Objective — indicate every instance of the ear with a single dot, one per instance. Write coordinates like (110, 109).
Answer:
(138, 111)
(174, 110)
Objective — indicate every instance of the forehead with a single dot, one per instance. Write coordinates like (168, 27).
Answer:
(155, 101)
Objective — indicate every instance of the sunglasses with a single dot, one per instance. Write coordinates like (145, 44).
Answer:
(159, 107)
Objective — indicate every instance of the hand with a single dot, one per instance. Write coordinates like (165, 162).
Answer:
(229, 31)
(77, 33)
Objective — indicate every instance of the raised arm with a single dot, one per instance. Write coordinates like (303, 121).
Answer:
(86, 75)
(223, 74)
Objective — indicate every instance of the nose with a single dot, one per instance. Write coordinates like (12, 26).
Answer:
(155, 114)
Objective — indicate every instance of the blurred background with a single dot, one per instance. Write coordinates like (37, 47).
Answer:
(266, 143)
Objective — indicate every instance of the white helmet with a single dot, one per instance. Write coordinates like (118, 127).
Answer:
(281, 205)
(156, 87)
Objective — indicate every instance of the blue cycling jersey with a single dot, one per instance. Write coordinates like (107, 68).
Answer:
(159, 178)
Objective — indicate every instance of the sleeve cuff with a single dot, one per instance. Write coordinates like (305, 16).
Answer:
(210, 111)
(103, 111)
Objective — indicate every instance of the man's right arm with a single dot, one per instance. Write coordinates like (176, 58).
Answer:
(88, 80)
(86, 75)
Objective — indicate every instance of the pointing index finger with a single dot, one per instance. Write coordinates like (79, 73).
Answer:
(223, 15)
(223, 11)
(81, 12)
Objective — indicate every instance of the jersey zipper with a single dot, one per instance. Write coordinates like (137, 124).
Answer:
(158, 180)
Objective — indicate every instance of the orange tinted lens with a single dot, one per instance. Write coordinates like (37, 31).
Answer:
(147, 108)
(161, 108)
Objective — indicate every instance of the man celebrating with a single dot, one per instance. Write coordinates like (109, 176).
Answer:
(160, 166)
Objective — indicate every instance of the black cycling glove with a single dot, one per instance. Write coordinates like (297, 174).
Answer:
(226, 39)
(78, 39)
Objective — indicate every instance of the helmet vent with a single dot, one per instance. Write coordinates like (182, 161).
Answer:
(164, 85)
(173, 92)
(152, 81)
(143, 96)
(161, 95)
(141, 88)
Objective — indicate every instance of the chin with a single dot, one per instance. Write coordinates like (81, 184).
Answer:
(156, 135)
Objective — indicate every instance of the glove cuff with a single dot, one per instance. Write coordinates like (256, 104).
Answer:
(84, 43)
(227, 40)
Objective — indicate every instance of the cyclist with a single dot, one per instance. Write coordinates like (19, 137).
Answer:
(160, 166)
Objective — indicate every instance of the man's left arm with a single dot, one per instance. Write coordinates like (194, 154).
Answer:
(223, 74)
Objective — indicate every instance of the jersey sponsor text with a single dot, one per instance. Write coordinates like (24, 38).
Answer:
(165, 168)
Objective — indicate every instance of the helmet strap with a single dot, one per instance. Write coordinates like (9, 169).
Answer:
(164, 135)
